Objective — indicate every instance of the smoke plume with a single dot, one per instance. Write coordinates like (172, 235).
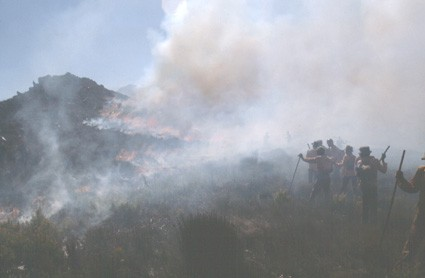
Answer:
(239, 77)
(238, 72)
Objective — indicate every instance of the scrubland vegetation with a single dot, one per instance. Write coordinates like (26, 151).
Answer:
(223, 221)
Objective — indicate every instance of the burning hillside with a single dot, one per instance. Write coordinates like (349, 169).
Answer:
(51, 151)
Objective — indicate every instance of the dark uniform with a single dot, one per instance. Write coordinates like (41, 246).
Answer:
(417, 231)
(367, 168)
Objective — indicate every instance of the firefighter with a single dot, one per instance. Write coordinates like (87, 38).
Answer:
(367, 168)
(348, 172)
(336, 154)
(333, 151)
(417, 230)
(312, 167)
(324, 168)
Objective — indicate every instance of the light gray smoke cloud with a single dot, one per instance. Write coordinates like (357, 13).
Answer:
(235, 77)
(234, 72)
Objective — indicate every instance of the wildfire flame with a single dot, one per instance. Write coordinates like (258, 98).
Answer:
(83, 189)
(12, 215)
(125, 155)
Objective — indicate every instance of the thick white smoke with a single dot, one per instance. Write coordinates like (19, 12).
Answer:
(239, 76)
(236, 72)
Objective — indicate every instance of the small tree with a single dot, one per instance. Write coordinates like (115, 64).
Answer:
(210, 247)
(43, 255)
(120, 246)
(10, 242)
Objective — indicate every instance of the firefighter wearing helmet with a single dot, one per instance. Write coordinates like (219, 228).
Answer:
(367, 168)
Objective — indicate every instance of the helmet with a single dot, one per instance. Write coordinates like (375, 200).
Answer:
(349, 148)
(364, 151)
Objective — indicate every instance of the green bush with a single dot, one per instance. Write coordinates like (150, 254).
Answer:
(43, 255)
(121, 246)
(210, 247)
(11, 241)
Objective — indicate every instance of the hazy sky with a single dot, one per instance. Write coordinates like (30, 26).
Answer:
(107, 41)
(315, 68)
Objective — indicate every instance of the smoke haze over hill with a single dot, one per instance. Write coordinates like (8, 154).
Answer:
(349, 69)
(239, 71)
(51, 157)
(211, 125)
(234, 79)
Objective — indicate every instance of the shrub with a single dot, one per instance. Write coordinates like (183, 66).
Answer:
(121, 246)
(210, 247)
(43, 255)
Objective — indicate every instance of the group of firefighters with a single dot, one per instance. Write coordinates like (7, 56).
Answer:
(332, 163)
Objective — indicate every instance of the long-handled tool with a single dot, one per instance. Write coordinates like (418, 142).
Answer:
(384, 153)
(293, 176)
(392, 201)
